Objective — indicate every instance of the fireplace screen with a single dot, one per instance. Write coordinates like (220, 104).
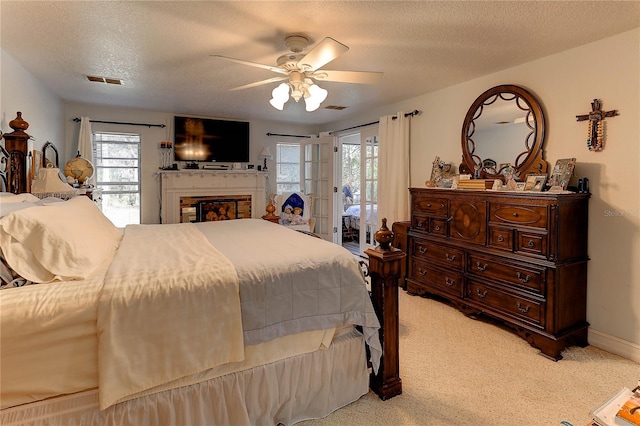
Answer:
(211, 211)
(214, 208)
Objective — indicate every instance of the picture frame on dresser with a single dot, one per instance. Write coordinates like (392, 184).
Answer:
(535, 182)
(538, 183)
(562, 172)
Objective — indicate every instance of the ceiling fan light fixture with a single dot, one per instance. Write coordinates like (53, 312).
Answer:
(317, 93)
(280, 96)
(314, 96)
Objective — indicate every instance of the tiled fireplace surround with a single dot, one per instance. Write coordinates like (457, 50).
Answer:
(200, 195)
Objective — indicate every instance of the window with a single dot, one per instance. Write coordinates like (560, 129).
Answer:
(117, 158)
(287, 167)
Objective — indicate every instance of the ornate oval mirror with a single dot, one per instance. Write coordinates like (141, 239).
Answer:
(503, 127)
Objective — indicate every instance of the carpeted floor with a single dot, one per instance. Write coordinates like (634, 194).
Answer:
(460, 371)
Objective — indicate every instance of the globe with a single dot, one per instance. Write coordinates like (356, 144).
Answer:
(78, 168)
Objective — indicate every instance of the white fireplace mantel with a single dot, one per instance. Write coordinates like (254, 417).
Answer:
(203, 183)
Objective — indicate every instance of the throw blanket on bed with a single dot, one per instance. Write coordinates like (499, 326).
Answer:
(142, 340)
(292, 282)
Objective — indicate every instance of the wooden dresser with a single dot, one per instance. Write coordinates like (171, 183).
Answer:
(520, 258)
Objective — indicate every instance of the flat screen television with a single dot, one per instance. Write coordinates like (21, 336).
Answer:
(202, 139)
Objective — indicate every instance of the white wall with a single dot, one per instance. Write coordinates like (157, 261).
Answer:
(566, 84)
(152, 136)
(40, 107)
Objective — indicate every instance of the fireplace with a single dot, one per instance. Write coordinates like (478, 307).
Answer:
(191, 195)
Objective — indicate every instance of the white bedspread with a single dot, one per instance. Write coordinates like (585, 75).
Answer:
(292, 282)
(142, 342)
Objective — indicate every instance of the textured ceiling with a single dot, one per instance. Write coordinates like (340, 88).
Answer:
(161, 49)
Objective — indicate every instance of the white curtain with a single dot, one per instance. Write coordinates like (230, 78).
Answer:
(393, 168)
(85, 143)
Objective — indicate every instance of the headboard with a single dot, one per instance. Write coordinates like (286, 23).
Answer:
(4, 169)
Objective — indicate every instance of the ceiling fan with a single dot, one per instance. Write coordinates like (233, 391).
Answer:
(301, 69)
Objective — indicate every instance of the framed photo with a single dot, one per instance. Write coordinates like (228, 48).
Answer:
(531, 180)
(520, 186)
(538, 183)
(562, 172)
(535, 182)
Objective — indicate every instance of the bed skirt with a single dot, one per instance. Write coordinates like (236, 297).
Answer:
(302, 387)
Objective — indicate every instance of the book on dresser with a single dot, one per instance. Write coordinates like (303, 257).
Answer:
(516, 257)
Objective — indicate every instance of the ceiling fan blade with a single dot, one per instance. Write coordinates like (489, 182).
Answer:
(323, 53)
(361, 77)
(253, 64)
(260, 83)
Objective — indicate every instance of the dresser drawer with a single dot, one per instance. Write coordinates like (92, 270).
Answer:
(438, 227)
(431, 225)
(449, 257)
(525, 276)
(518, 215)
(432, 206)
(532, 243)
(442, 280)
(500, 300)
(500, 238)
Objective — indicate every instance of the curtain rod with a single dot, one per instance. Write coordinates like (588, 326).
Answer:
(289, 136)
(162, 126)
(408, 114)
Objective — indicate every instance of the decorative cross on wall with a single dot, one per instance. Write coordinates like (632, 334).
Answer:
(595, 134)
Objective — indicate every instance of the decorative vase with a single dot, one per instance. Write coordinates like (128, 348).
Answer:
(384, 236)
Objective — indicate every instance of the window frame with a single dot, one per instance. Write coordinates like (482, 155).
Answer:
(98, 138)
(279, 163)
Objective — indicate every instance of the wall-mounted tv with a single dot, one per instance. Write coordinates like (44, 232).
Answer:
(202, 139)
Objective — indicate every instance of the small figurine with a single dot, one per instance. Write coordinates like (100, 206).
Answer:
(296, 218)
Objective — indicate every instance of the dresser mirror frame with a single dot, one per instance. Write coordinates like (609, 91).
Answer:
(50, 155)
(496, 107)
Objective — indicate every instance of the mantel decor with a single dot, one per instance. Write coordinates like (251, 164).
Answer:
(595, 130)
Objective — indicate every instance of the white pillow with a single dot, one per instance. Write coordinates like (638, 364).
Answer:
(65, 240)
(8, 197)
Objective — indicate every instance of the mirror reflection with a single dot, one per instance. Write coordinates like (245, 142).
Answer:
(501, 133)
(504, 127)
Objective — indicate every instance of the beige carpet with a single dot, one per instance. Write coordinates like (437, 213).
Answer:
(460, 371)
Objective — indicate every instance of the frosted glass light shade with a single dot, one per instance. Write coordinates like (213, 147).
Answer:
(280, 96)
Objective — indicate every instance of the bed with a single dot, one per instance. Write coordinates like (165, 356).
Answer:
(232, 322)
(353, 215)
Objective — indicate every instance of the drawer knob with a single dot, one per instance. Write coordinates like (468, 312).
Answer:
(450, 258)
(428, 204)
(531, 243)
(448, 281)
(481, 294)
(515, 215)
(422, 249)
(422, 272)
(437, 227)
(500, 238)
(521, 309)
(480, 267)
(524, 279)
(420, 224)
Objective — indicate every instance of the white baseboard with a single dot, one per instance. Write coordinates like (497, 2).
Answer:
(615, 345)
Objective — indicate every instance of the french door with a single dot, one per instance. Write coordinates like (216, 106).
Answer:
(317, 176)
(358, 216)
